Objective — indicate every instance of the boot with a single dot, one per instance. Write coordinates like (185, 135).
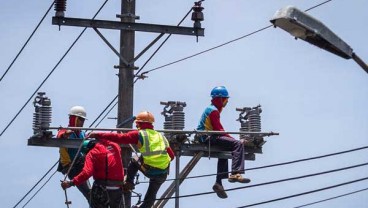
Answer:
(219, 189)
(238, 178)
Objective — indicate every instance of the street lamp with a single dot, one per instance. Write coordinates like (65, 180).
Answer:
(305, 27)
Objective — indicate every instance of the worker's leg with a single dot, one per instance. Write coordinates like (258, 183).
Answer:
(154, 185)
(237, 151)
(115, 198)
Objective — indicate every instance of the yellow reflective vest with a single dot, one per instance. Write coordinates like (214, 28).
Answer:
(154, 148)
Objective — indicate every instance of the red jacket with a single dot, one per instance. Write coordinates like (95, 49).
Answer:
(95, 164)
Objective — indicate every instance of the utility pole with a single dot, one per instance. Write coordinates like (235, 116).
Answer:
(126, 78)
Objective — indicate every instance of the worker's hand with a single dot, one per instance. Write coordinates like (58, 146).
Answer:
(66, 134)
(93, 135)
(66, 184)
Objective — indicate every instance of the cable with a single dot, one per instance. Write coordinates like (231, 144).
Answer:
(272, 182)
(223, 44)
(274, 165)
(113, 100)
(106, 114)
(39, 189)
(29, 38)
(76, 40)
(305, 193)
(154, 53)
(36, 184)
(350, 193)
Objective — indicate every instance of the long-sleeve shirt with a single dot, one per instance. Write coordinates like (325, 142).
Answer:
(131, 137)
(95, 163)
(67, 154)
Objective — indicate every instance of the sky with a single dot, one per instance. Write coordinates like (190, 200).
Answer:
(316, 100)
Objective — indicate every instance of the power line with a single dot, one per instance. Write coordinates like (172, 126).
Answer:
(350, 193)
(159, 47)
(272, 182)
(52, 71)
(275, 165)
(29, 38)
(223, 44)
(36, 184)
(39, 189)
(305, 193)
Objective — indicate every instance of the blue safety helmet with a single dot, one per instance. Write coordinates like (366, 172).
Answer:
(219, 91)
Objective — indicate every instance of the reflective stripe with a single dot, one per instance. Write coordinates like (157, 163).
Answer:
(154, 149)
(146, 141)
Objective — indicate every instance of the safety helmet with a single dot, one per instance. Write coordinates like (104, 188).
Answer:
(219, 91)
(78, 111)
(87, 146)
(145, 116)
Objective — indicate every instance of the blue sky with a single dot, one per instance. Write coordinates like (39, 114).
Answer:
(315, 100)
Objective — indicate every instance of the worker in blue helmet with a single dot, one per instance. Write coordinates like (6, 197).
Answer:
(210, 121)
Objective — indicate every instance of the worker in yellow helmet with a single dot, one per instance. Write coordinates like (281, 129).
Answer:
(156, 155)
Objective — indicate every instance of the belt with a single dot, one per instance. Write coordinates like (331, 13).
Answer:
(112, 187)
(109, 183)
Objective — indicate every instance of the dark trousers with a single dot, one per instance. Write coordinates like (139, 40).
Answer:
(102, 197)
(155, 183)
(237, 152)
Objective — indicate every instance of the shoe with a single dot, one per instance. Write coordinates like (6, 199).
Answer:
(219, 189)
(238, 178)
(128, 187)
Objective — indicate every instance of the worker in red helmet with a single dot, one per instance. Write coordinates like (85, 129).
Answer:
(77, 115)
(155, 158)
(210, 121)
(104, 163)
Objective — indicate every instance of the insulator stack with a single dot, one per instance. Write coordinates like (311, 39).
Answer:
(197, 15)
(178, 120)
(43, 113)
(250, 120)
(168, 124)
(174, 116)
(60, 8)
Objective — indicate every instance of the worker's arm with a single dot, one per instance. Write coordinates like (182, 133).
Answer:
(216, 123)
(171, 153)
(87, 171)
(121, 138)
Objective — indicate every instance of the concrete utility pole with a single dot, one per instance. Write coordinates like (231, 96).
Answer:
(126, 78)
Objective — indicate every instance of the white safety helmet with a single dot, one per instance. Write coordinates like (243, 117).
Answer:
(78, 111)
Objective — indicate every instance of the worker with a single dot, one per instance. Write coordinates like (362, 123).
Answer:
(77, 115)
(155, 157)
(210, 121)
(104, 163)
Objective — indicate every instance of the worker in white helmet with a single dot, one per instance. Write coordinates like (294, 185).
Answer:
(77, 115)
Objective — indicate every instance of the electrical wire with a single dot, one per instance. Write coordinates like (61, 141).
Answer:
(274, 165)
(36, 184)
(113, 100)
(223, 44)
(25, 44)
(272, 182)
(158, 48)
(52, 71)
(39, 189)
(305, 193)
(339, 196)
